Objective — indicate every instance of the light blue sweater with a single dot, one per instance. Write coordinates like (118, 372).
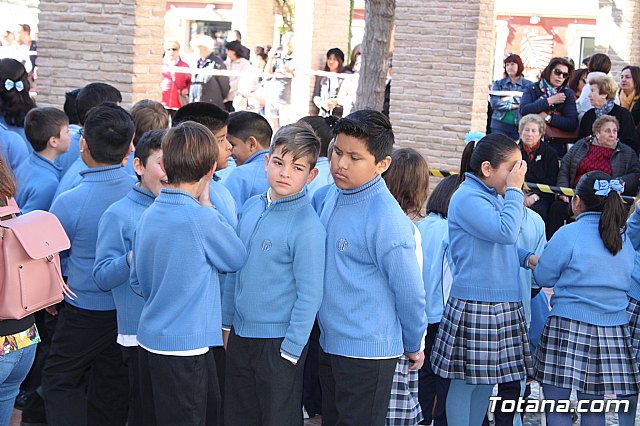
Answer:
(633, 233)
(483, 231)
(435, 243)
(222, 200)
(115, 241)
(179, 248)
(532, 238)
(374, 299)
(79, 211)
(249, 179)
(12, 147)
(37, 180)
(19, 131)
(277, 293)
(65, 160)
(324, 177)
(589, 283)
(72, 177)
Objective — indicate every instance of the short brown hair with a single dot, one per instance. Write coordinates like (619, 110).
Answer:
(189, 150)
(515, 59)
(148, 115)
(408, 180)
(601, 121)
(41, 124)
(599, 62)
(606, 85)
(299, 140)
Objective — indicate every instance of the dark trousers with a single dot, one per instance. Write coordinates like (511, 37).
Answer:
(180, 389)
(355, 391)
(507, 391)
(432, 389)
(311, 390)
(542, 207)
(138, 416)
(220, 358)
(262, 388)
(84, 379)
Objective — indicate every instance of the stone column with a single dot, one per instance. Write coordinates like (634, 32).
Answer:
(442, 64)
(617, 32)
(118, 42)
(255, 19)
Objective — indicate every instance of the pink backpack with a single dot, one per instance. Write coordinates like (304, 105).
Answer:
(30, 277)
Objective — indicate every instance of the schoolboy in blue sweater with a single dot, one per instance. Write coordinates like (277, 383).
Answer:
(147, 115)
(113, 259)
(47, 130)
(84, 377)
(273, 301)
(180, 245)
(373, 308)
(250, 135)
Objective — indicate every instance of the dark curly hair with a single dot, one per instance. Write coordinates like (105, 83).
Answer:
(14, 104)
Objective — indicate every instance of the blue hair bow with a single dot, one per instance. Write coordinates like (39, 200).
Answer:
(604, 187)
(10, 84)
(473, 136)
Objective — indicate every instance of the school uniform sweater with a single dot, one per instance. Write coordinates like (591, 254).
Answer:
(112, 267)
(65, 160)
(12, 147)
(179, 248)
(531, 237)
(633, 233)
(249, 179)
(222, 200)
(277, 293)
(589, 283)
(37, 180)
(324, 176)
(79, 212)
(435, 241)
(19, 131)
(72, 177)
(483, 231)
(374, 299)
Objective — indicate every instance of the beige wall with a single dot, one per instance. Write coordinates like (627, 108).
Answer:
(618, 32)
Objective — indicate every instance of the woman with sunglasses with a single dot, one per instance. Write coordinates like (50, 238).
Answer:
(505, 97)
(175, 85)
(552, 99)
(603, 90)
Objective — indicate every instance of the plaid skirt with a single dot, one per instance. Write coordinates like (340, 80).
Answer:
(589, 358)
(482, 342)
(633, 310)
(404, 407)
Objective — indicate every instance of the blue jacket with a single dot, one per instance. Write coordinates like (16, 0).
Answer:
(374, 299)
(179, 247)
(79, 211)
(324, 176)
(501, 107)
(72, 177)
(112, 268)
(249, 179)
(37, 179)
(483, 231)
(12, 147)
(435, 243)
(65, 160)
(277, 293)
(589, 283)
(534, 102)
(633, 233)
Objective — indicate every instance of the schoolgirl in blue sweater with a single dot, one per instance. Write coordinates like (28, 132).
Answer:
(585, 344)
(484, 306)
(113, 259)
(633, 310)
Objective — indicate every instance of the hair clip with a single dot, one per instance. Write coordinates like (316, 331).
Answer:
(604, 187)
(10, 84)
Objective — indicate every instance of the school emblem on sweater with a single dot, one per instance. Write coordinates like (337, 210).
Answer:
(342, 244)
(266, 245)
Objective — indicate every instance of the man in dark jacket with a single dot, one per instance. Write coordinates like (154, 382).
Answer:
(208, 88)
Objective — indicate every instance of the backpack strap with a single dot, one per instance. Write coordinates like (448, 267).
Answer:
(10, 209)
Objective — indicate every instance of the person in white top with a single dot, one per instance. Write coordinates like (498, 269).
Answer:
(598, 64)
(243, 84)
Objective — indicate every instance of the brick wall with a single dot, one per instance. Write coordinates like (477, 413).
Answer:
(442, 63)
(617, 32)
(260, 20)
(118, 42)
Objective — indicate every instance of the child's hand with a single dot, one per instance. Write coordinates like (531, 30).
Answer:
(533, 261)
(416, 360)
(515, 179)
(204, 197)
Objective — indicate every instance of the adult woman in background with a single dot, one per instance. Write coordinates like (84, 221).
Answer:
(175, 85)
(542, 162)
(504, 102)
(243, 84)
(602, 94)
(598, 64)
(578, 81)
(552, 99)
(18, 337)
(602, 151)
(630, 91)
(325, 92)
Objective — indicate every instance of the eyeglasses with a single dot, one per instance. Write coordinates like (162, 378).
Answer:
(558, 72)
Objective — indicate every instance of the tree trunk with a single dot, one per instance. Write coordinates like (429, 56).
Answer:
(378, 27)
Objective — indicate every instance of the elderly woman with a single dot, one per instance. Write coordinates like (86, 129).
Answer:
(552, 99)
(542, 162)
(505, 97)
(175, 85)
(602, 95)
(602, 151)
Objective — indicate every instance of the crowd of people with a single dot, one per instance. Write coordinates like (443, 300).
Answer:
(310, 275)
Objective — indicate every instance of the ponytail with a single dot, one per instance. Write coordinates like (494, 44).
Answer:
(464, 161)
(612, 222)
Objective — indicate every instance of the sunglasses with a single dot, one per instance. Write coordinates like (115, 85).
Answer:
(558, 72)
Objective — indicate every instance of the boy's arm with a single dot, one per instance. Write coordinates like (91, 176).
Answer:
(235, 184)
(111, 268)
(222, 247)
(135, 284)
(308, 255)
(67, 220)
(228, 299)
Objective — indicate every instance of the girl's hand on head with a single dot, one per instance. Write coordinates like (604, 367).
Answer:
(564, 198)
(515, 179)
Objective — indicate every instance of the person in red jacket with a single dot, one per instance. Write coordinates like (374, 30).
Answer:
(175, 85)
